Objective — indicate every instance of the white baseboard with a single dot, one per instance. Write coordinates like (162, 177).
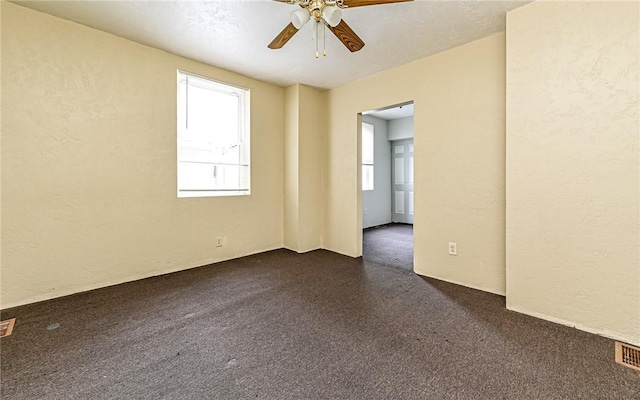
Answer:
(461, 284)
(81, 289)
(581, 327)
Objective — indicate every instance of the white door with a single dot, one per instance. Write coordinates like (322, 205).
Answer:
(402, 181)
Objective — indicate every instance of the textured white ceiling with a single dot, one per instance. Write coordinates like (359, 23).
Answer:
(234, 34)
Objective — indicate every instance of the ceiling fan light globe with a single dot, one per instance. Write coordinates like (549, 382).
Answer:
(332, 14)
(300, 17)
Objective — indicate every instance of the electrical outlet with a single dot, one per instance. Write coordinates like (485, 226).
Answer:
(366, 211)
(219, 241)
(453, 249)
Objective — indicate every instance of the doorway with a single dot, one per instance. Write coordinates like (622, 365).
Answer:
(387, 186)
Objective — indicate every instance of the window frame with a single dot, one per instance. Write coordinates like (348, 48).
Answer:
(373, 156)
(244, 134)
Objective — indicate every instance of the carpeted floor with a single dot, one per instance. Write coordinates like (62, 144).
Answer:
(281, 325)
(390, 245)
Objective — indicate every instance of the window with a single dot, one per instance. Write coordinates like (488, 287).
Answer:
(213, 138)
(367, 156)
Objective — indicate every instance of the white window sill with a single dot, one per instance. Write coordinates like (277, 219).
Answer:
(213, 193)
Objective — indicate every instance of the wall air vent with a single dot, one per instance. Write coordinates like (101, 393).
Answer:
(6, 327)
(628, 356)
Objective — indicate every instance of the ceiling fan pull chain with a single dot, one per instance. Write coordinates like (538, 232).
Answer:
(324, 39)
(186, 104)
(317, 39)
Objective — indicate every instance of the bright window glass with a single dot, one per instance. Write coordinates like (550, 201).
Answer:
(367, 156)
(213, 138)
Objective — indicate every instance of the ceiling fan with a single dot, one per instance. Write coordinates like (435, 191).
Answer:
(329, 14)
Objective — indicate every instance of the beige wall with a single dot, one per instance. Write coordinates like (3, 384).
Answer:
(89, 164)
(459, 127)
(573, 176)
(313, 125)
(1, 96)
(305, 124)
(291, 161)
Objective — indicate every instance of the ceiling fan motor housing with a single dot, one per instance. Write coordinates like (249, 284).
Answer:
(327, 10)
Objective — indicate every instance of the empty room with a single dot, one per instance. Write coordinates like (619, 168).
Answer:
(186, 200)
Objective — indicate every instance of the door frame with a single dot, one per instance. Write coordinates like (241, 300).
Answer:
(359, 207)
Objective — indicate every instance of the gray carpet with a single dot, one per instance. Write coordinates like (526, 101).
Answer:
(280, 325)
(390, 245)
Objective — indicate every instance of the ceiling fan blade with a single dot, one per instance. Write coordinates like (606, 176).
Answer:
(283, 37)
(360, 3)
(347, 36)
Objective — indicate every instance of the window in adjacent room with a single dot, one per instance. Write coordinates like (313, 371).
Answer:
(213, 138)
(367, 156)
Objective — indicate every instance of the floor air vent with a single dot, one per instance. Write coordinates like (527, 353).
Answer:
(628, 356)
(6, 327)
